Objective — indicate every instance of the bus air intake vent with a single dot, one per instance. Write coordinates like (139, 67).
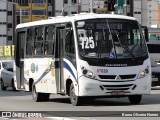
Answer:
(131, 76)
(118, 87)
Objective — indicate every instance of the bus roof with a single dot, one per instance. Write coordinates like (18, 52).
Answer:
(71, 18)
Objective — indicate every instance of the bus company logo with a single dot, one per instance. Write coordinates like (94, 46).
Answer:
(117, 77)
(102, 71)
(33, 68)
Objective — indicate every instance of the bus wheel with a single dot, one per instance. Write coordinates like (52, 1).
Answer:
(2, 85)
(13, 86)
(135, 99)
(45, 96)
(37, 97)
(75, 100)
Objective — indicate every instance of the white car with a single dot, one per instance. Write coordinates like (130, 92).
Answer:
(155, 73)
(7, 74)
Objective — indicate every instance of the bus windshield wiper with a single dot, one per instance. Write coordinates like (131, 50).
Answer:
(129, 51)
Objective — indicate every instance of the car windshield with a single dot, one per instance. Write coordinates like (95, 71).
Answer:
(110, 39)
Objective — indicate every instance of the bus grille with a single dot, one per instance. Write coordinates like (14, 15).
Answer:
(118, 87)
(131, 76)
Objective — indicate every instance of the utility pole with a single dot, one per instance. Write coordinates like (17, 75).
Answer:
(125, 7)
(91, 6)
(20, 14)
(131, 7)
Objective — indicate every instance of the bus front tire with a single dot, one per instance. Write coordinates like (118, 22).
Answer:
(135, 99)
(75, 100)
(13, 86)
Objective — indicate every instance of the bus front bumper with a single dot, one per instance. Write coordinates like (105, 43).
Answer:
(91, 87)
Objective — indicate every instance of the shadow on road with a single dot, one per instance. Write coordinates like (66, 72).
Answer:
(95, 102)
(146, 100)
(10, 92)
(154, 98)
(65, 100)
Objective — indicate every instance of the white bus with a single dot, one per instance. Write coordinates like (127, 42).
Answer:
(83, 56)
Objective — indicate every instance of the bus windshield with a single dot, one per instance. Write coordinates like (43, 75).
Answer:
(110, 39)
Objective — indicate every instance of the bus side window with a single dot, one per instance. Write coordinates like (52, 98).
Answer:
(69, 46)
(39, 41)
(29, 46)
(49, 40)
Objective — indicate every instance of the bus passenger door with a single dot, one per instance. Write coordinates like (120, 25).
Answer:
(59, 55)
(19, 56)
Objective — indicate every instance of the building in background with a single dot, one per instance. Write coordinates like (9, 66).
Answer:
(99, 6)
(140, 11)
(147, 12)
(13, 12)
(153, 13)
(3, 23)
(31, 10)
(66, 6)
(10, 23)
(124, 7)
(6, 22)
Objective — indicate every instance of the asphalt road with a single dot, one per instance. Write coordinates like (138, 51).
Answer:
(59, 107)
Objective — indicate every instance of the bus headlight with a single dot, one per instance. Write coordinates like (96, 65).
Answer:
(87, 73)
(144, 72)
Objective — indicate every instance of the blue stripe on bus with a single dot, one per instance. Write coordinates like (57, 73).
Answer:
(69, 69)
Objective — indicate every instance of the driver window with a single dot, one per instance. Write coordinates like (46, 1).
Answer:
(69, 42)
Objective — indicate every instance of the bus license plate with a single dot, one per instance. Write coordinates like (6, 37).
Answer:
(118, 93)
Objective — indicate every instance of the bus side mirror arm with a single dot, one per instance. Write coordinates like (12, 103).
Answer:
(145, 33)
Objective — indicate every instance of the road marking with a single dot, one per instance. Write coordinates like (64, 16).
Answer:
(39, 118)
(60, 118)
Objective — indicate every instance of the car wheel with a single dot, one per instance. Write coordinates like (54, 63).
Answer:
(2, 85)
(75, 100)
(135, 99)
(13, 85)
